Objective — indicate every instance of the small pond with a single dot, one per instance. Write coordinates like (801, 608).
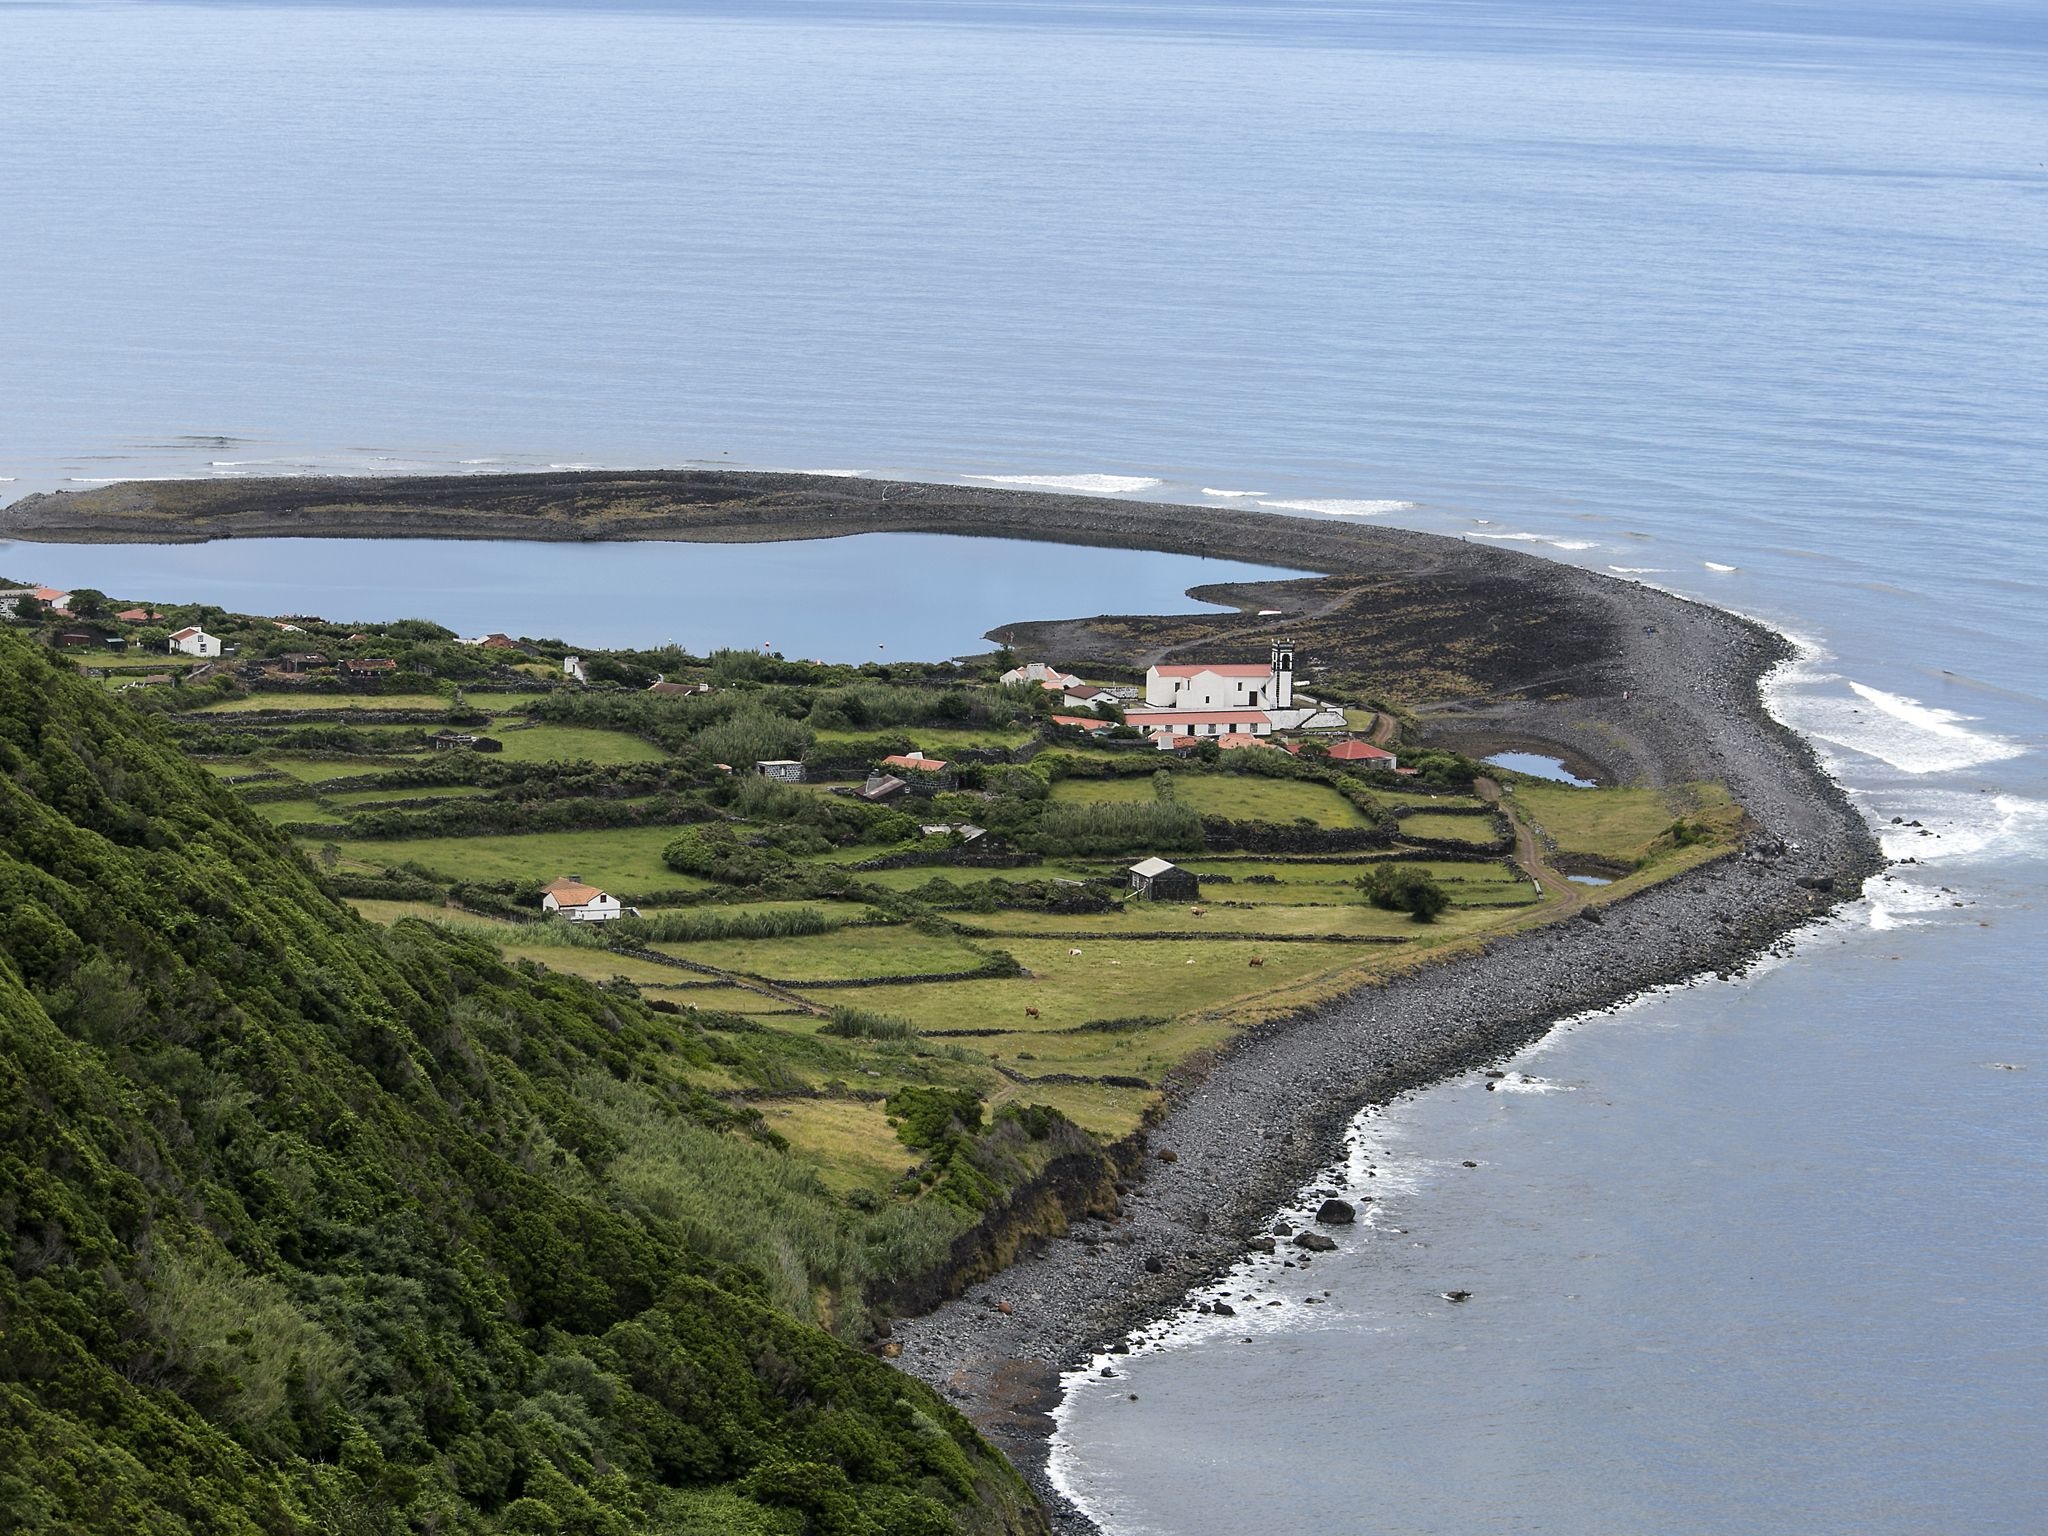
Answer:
(866, 597)
(1589, 880)
(1539, 767)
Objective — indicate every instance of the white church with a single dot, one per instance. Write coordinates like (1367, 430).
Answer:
(1212, 699)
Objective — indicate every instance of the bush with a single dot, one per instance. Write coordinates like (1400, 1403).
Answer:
(1404, 888)
(863, 1024)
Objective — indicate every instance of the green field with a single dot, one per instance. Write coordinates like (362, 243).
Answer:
(934, 741)
(1619, 824)
(329, 701)
(355, 797)
(1234, 797)
(1479, 830)
(843, 954)
(620, 859)
(574, 744)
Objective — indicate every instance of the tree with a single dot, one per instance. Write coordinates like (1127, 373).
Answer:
(88, 603)
(1404, 888)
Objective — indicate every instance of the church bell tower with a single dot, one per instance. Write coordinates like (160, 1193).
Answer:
(1283, 674)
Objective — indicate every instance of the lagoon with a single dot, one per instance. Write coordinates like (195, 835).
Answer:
(867, 597)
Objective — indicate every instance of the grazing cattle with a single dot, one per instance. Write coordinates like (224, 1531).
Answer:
(1258, 960)
(1074, 953)
(1199, 911)
(1030, 1013)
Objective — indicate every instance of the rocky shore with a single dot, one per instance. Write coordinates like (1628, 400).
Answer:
(1639, 685)
(1681, 703)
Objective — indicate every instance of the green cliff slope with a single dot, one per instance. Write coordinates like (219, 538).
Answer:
(312, 1227)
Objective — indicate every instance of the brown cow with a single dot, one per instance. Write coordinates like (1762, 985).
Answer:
(1030, 1013)
(1258, 960)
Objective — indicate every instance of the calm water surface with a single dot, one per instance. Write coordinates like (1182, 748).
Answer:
(1743, 299)
(865, 598)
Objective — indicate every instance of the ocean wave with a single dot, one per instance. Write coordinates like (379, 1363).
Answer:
(1954, 825)
(1083, 485)
(1210, 490)
(1340, 508)
(1636, 570)
(575, 466)
(1551, 539)
(1715, 565)
(1910, 736)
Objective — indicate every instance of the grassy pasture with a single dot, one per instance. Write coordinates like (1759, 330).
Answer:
(934, 741)
(356, 797)
(1236, 797)
(843, 954)
(1477, 830)
(328, 701)
(850, 1141)
(575, 744)
(318, 770)
(1619, 824)
(623, 859)
(1144, 917)
(1109, 979)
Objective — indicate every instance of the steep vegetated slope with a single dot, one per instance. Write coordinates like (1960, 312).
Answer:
(314, 1227)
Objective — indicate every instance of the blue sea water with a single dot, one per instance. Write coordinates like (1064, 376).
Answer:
(1744, 299)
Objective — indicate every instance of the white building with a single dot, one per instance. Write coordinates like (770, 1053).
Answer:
(194, 641)
(1042, 673)
(572, 666)
(579, 903)
(1224, 685)
(1168, 726)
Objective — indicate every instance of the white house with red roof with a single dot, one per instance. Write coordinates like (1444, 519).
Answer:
(1363, 754)
(1173, 727)
(1224, 685)
(194, 641)
(580, 903)
(1042, 673)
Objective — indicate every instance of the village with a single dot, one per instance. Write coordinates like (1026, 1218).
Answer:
(1044, 883)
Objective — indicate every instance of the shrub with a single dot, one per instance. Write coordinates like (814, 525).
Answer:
(1404, 888)
(863, 1024)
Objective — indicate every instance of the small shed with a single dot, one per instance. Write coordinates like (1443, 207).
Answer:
(451, 741)
(882, 787)
(1159, 880)
(785, 770)
(486, 744)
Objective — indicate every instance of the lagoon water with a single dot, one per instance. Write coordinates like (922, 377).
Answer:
(872, 597)
(1745, 299)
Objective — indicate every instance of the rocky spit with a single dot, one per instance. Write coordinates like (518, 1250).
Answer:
(1681, 702)
(1632, 683)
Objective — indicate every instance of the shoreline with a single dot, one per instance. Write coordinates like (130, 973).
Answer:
(1650, 687)
(1273, 1111)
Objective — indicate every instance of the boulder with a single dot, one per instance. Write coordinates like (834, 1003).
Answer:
(1315, 1242)
(1153, 1265)
(1224, 1309)
(1336, 1213)
(1262, 1245)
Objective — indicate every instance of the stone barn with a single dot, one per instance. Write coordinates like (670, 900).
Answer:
(1159, 880)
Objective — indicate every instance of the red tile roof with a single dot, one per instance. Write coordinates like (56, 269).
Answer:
(1163, 719)
(1083, 722)
(1358, 752)
(921, 764)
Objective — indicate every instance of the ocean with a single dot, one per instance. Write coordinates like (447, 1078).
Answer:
(1742, 299)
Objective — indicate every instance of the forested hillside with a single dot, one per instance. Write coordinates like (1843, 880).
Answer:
(314, 1226)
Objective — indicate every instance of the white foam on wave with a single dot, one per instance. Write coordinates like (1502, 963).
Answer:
(1084, 485)
(575, 466)
(1636, 570)
(1892, 903)
(1715, 565)
(1911, 736)
(479, 461)
(1955, 825)
(1539, 538)
(1340, 508)
(1210, 490)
